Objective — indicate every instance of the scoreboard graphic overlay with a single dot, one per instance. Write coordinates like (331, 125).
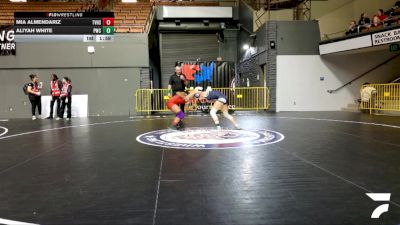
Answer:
(64, 26)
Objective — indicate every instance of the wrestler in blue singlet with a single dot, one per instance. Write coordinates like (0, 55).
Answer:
(216, 96)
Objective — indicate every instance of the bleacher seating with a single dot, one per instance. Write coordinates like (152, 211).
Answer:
(131, 17)
(8, 8)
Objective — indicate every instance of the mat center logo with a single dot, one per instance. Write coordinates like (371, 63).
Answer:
(208, 138)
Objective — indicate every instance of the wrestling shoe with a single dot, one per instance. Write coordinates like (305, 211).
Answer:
(180, 125)
(173, 128)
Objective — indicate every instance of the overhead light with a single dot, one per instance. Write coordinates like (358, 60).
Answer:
(18, 0)
(206, 22)
(129, 1)
(246, 46)
(90, 49)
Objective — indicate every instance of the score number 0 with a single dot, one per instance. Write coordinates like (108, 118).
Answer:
(108, 25)
(108, 21)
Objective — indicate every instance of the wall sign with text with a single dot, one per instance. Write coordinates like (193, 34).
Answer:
(7, 41)
(386, 37)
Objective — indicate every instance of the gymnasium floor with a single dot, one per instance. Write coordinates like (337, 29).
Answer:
(93, 171)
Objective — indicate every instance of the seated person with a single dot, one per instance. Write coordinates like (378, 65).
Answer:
(395, 10)
(396, 5)
(367, 92)
(368, 97)
(352, 28)
(381, 15)
(364, 21)
(376, 22)
(391, 21)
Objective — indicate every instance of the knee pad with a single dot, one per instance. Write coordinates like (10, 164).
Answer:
(180, 115)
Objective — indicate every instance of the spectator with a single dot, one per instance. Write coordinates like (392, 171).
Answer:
(352, 28)
(376, 22)
(66, 98)
(368, 97)
(364, 20)
(395, 10)
(381, 15)
(396, 5)
(35, 96)
(367, 92)
(55, 92)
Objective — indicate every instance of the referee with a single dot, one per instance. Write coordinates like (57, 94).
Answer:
(177, 83)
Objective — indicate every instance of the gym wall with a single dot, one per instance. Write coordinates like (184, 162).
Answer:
(290, 38)
(299, 69)
(110, 76)
(262, 16)
(300, 88)
(294, 68)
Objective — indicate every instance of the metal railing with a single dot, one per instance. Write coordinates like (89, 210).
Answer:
(391, 21)
(252, 98)
(364, 74)
(385, 97)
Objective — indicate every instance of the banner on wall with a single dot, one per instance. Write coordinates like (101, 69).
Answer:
(217, 74)
(386, 37)
(7, 41)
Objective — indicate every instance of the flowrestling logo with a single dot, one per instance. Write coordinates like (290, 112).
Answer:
(209, 138)
(380, 197)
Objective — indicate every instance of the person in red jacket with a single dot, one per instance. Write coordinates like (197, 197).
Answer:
(34, 95)
(55, 92)
(381, 15)
(66, 98)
